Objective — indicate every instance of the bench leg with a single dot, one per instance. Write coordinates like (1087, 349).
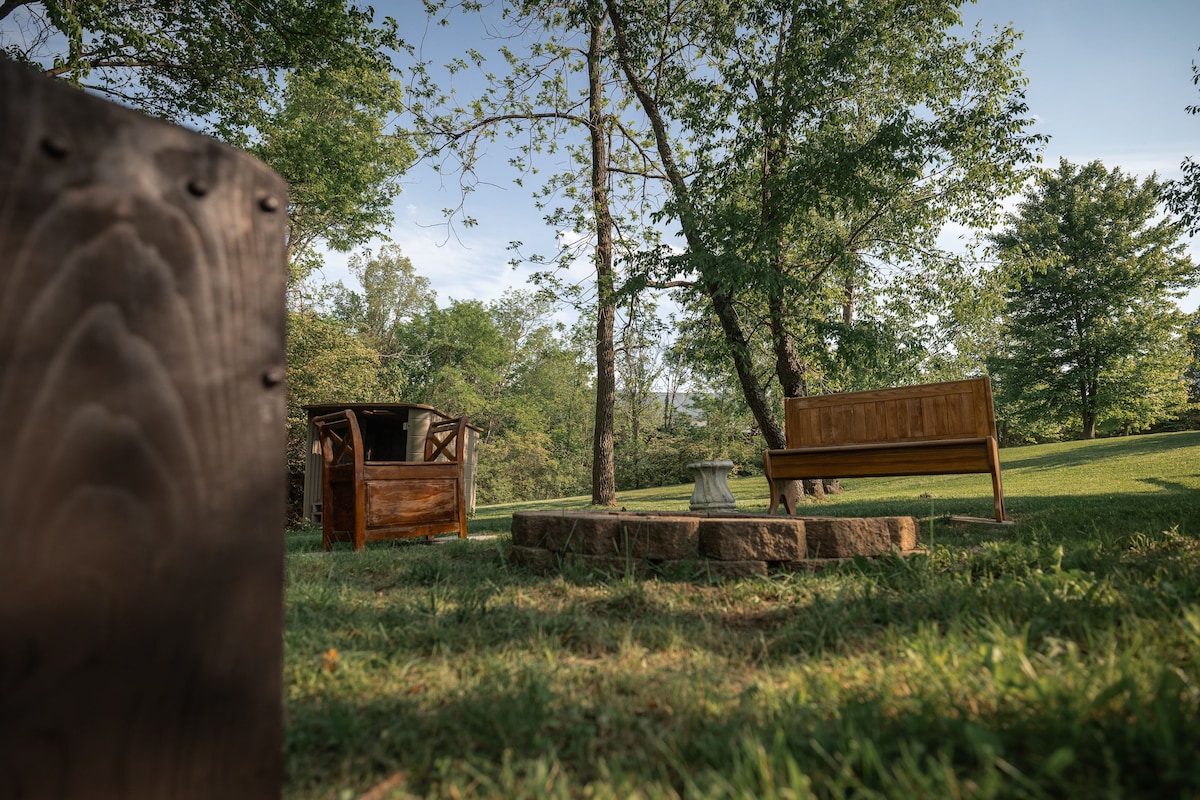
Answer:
(776, 489)
(778, 493)
(461, 500)
(782, 493)
(770, 484)
(997, 486)
(998, 496)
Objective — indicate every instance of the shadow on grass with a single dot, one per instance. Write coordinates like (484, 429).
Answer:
(1065, 587)
(1082, 453)
(1016, 597)
(1057, 657)
(670, 722)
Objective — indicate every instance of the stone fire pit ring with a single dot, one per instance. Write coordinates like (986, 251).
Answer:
(727, 545)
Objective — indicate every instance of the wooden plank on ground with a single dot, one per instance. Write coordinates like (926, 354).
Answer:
(979, 520)
(142, 492)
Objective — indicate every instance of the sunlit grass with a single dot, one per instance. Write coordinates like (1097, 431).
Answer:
(1057, 657)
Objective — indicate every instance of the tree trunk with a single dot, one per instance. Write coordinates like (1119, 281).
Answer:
(848, 302)
(1089, 425)
(1087, 396)
(739, 349)
(604, 482)
(787, 366)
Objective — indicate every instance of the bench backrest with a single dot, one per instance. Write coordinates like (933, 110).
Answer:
(951, 410)
(341, 438)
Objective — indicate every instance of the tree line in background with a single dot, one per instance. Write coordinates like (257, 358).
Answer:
(806, 155)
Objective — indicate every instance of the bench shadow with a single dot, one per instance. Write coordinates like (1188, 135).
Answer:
(1097, 450)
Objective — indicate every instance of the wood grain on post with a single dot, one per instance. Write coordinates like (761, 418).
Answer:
(142, 467)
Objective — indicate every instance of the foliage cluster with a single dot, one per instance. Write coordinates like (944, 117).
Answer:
(308, 86)
(1057, 658)
(521, 376)
(1092, 335)
(1183, 195)
(328, 135)
(184, 63)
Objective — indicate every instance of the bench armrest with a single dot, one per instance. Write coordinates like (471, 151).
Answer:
(446, 440)
(341, 438)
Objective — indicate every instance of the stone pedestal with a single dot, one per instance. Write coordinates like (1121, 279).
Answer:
(712, 487)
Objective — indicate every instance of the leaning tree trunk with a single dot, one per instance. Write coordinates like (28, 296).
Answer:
(787, 366)
(790, 372)
(713, 288)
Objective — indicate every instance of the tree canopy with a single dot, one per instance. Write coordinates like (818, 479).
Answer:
(307, 86)
(193, 63)
(329, 136)
(1092, 332)
(807, 146)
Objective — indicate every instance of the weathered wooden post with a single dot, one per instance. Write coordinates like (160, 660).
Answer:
(142, 458)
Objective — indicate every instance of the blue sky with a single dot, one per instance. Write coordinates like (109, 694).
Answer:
(1108, 80)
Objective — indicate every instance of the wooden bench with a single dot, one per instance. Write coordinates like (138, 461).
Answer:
(366, 500)
(932, 429)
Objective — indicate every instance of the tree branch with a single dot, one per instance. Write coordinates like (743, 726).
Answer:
(9, 6)
(676, 284)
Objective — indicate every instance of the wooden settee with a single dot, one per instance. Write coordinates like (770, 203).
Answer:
(365, 500)
(931, 429)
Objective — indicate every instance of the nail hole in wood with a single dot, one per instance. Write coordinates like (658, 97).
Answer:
(272, 377)
(55, 147)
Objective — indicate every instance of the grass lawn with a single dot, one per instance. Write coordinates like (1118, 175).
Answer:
(1059, 657)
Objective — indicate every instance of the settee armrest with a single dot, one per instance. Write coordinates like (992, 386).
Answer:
(446, 440)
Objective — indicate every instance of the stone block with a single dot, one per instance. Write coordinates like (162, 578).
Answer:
(529, 527)
(535, 559)
(659, 536)
(836, 537)
(903, 532)
(810, 564)
(591, 533)
(752, 539)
